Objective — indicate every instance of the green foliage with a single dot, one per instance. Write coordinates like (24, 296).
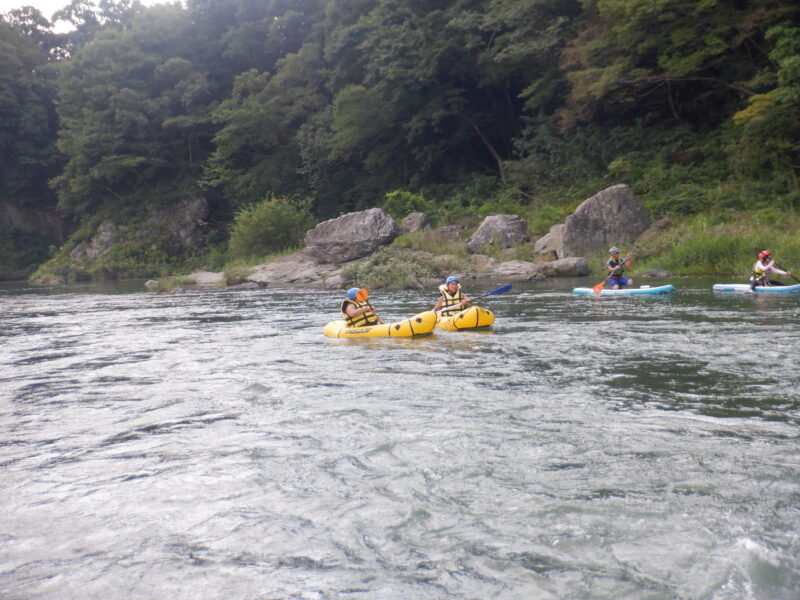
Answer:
(392, 268)
(724, 243)
(272, 225)
(256, 146)
(133, 113)
(399, 203)
(677, 58)
(459, 108)
(27, 118)
(426, 241)
(236, 272)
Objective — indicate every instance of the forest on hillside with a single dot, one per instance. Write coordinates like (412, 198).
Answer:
(466, 106)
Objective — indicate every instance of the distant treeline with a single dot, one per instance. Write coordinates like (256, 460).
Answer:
(695, 103)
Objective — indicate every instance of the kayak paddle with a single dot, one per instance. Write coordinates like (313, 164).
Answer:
(599, 287)
(501, 290)
(785, 269)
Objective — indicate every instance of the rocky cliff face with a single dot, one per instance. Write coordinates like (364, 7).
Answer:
(44, 221)
(139, 247)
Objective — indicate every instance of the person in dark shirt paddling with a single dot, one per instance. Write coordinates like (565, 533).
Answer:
(616, 268)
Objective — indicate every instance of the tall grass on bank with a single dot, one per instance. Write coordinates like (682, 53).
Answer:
(723, 245)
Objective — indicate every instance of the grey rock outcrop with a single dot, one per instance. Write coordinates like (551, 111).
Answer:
(611, 217)
(415, 221)
(551, 244)
(516, 270)
(180, 224)
(183, 220)
(657, 273)
(298, 268)
(522, 270)
(350, 236)
(502, 231)
(576, 266)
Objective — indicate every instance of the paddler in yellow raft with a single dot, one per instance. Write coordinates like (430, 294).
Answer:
(455, 309)
(451, 295)
(362, 320)
(357, 311)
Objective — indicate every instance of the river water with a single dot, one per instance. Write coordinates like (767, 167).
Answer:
(215, 445)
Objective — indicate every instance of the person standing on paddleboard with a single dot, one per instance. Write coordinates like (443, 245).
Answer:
(450, 294)
(616, 268)
(764, 267)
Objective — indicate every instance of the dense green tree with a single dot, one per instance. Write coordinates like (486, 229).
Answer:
(133, 109)
(27, 116)
(770, 123)
(256, 147)
(683, 59)
(441, 86)
(342, 101)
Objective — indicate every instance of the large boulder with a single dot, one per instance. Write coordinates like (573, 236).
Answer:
(351, 236)
(516, 270)
(564, 267)
(502, 231)
(522, 270)
(611, 217)
(299, 269)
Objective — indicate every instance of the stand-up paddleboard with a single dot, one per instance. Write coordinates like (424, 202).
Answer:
(745, 287)
(640, 291)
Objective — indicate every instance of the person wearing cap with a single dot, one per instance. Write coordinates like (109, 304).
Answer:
(616, 268)
(451, 296)
(357, 311)
(764, 267)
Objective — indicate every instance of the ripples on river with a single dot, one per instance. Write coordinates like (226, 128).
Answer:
(215, 445)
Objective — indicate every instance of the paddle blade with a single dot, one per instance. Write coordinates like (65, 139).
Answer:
(500, 290)
(599, 287)
(362, 295)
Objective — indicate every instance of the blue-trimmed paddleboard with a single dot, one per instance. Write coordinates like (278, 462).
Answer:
(745, 287)
(640, 291)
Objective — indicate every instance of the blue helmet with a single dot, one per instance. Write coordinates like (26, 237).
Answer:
(351, 293)
(451, 279)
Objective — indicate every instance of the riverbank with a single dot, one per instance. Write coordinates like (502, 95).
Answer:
(702, 245)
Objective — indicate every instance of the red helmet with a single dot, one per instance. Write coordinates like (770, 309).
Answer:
(764, 254)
